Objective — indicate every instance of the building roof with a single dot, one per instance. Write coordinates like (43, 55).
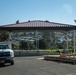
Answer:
(38, 25)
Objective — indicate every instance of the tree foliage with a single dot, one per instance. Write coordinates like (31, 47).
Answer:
(4, 36)
(43, 44)
(25, 45)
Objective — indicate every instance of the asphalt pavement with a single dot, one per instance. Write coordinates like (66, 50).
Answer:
(34, 65)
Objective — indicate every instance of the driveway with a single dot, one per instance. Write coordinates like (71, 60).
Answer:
(35, 66)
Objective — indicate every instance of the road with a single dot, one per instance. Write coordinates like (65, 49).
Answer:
(35, 66)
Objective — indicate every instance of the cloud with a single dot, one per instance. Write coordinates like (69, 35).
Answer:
(68, 8)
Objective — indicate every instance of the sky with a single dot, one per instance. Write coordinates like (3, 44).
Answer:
(60, 11)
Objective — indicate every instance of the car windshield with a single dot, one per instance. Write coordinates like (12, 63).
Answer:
(4, 47)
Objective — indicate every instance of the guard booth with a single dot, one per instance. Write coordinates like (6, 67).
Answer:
(37, 26)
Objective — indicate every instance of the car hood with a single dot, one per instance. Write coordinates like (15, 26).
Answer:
(6, 50)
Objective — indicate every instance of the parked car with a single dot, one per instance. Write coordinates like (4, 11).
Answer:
(6, 54)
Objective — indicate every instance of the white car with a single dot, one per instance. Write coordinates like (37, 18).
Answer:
(6, 54)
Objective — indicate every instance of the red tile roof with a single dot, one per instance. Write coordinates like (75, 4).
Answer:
(38, 23)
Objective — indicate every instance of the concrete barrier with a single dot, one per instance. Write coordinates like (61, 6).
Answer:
(19, 53)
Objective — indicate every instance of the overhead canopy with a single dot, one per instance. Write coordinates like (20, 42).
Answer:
(37, 25)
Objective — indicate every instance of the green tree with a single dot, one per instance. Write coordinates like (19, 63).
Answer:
(51, 39)
(32, 46)
(23, 45)
(4, 36)
(43, 44)
(46, 36)
(26, 45)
